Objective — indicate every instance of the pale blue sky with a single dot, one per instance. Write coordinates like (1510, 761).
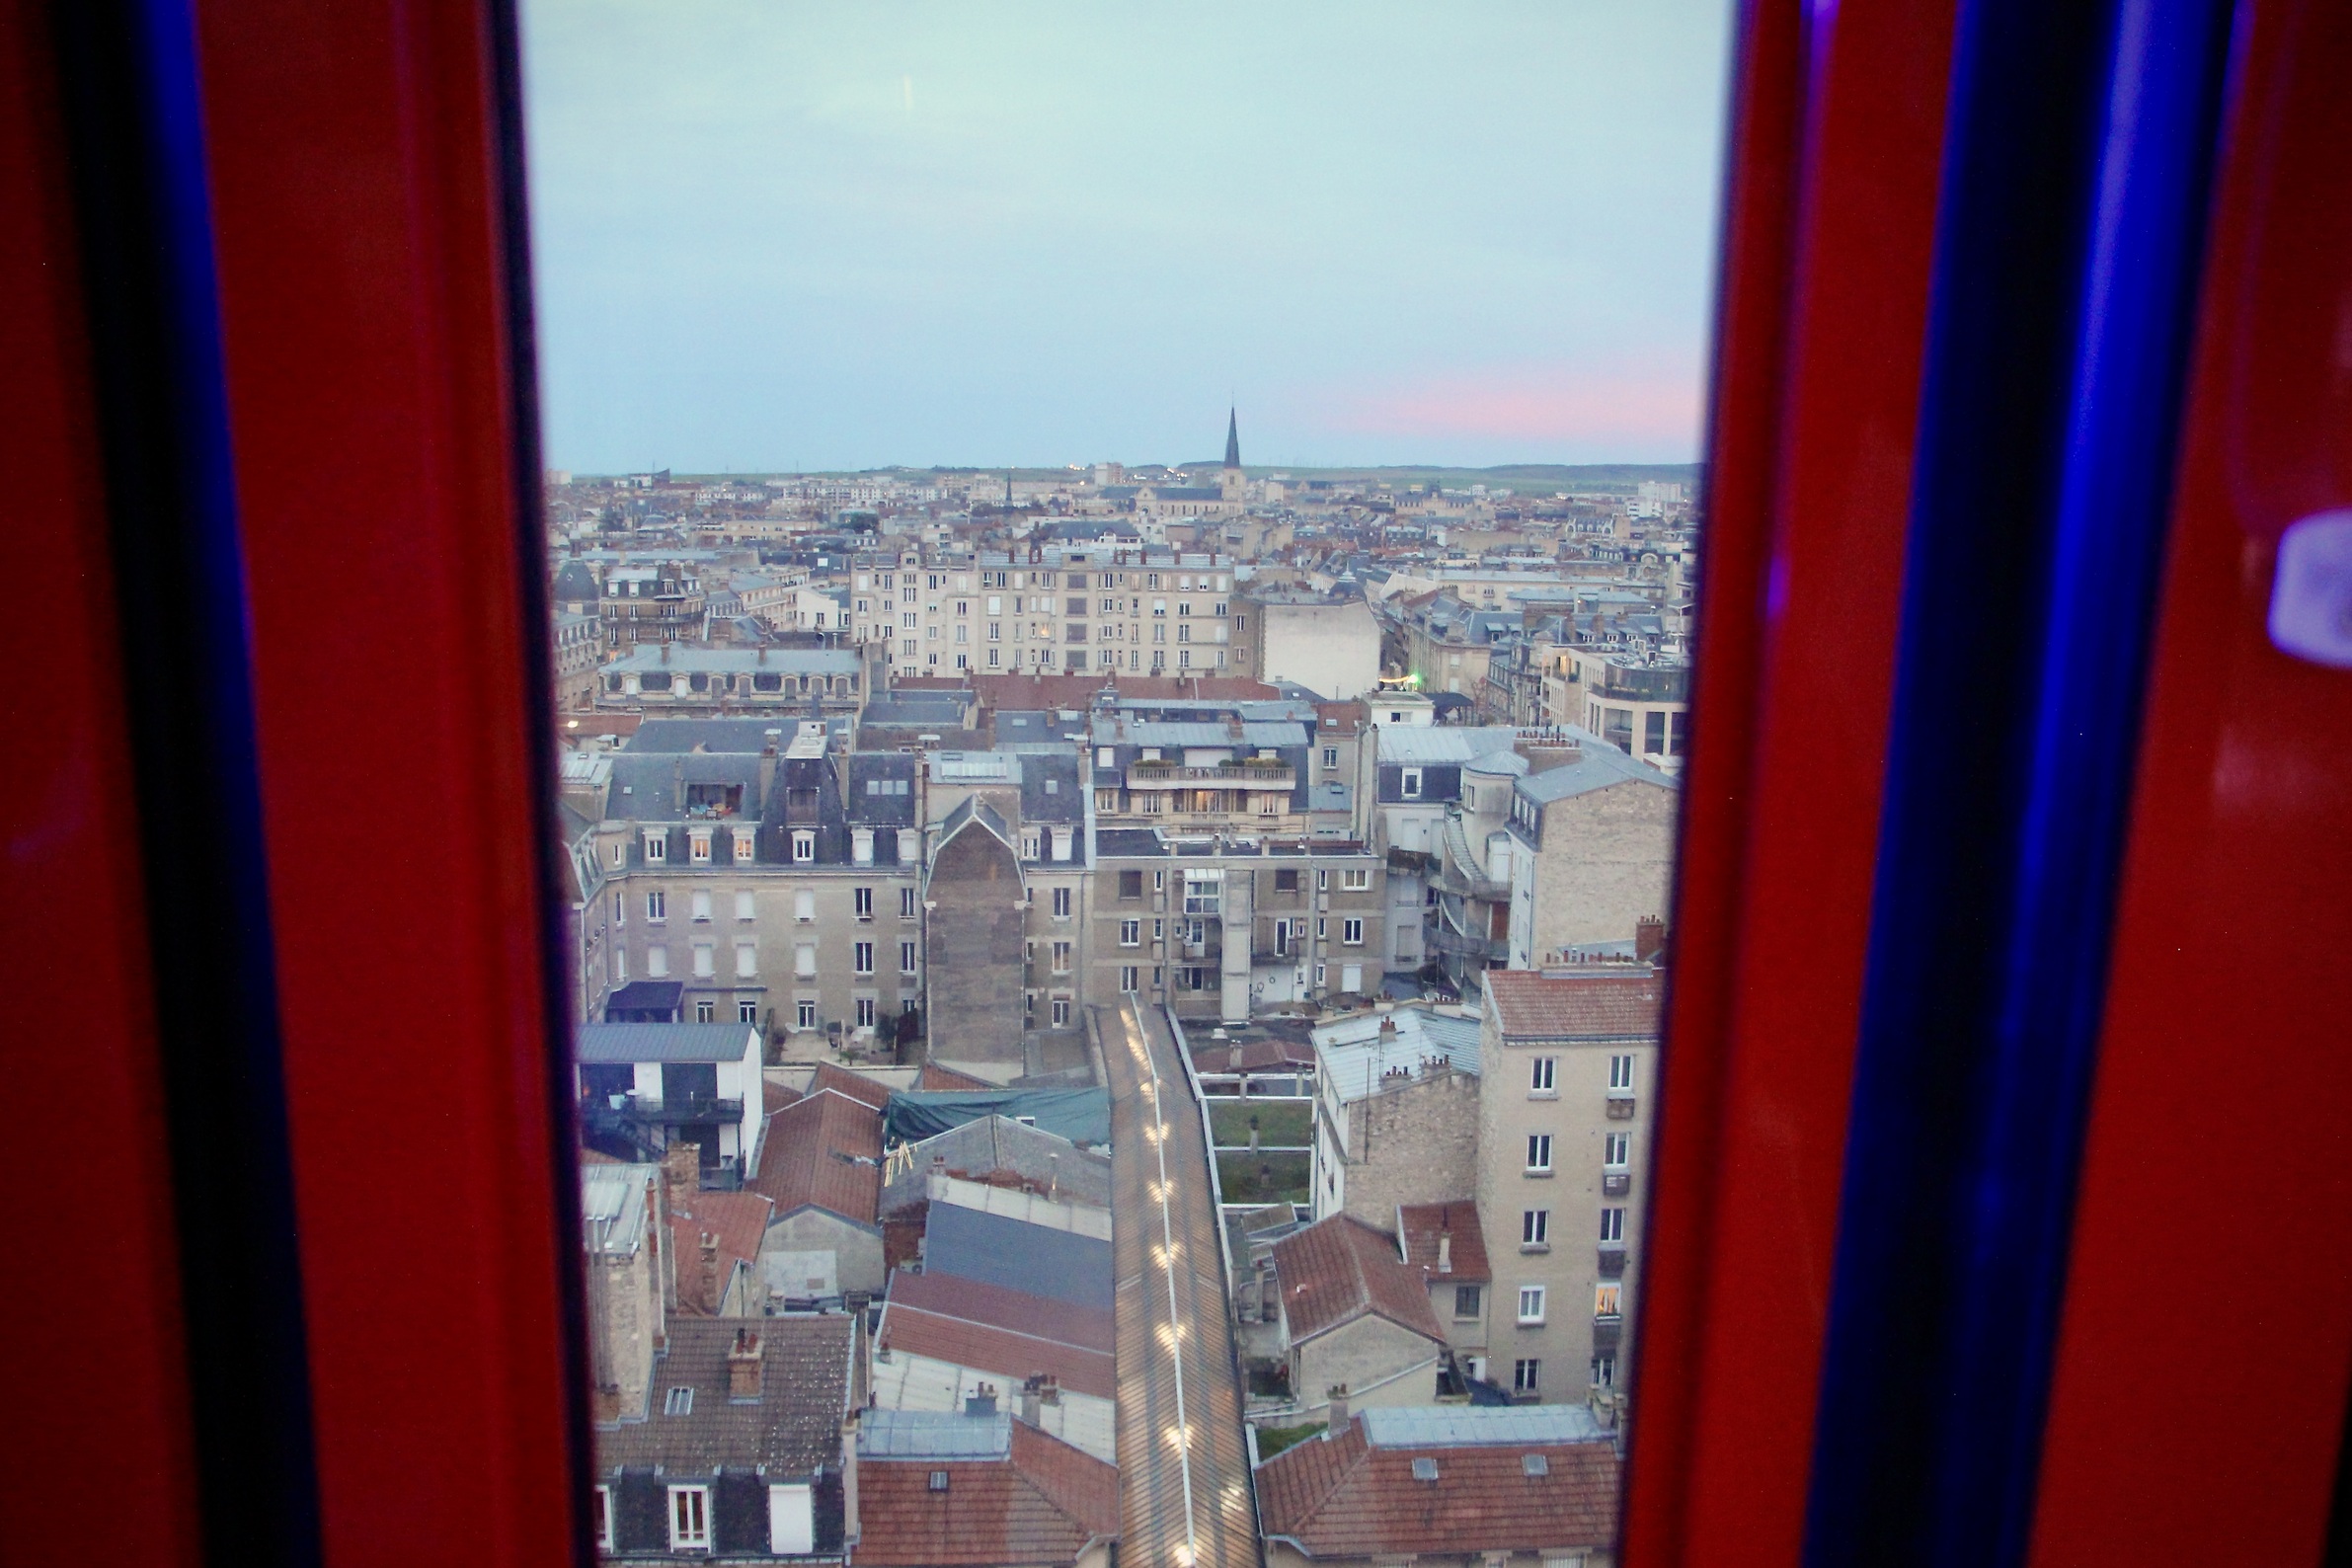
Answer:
(782, 234)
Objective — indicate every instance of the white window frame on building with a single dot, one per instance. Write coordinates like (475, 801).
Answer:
(690, 1519)
(1539, 1154)
(1530, 1305)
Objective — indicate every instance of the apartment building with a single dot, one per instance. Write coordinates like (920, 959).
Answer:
(1218, 926)
(1638, 702)
(679, 677)
(1590, 837)
(1329, 644)
(1567, 1107)
(774, 884)
(1410, 775)
(579, 645)
(1054, 610)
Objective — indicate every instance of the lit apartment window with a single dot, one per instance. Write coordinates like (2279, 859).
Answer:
(745, 905)
(1617, 1151)
(1539, 1153)
(743, 846)
(701, 904)
(1609, 1299)
(1535, 1227)
(861, 903)
(906, 958)
(804, 845)
(698, 848)
(657, 906)
(690, 1519)
(1541, 1071)
(1612, 1227)
(863, 956)
(1530, 1303)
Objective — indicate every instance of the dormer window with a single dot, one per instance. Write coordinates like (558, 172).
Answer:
(698, 846)
(910, 848)
(861, 846)
(804, 845)
(743, 842)
(656, 844)
(1031, 843)
(1411, 785)
(1061, 843)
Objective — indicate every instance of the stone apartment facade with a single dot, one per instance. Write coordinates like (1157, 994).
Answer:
(1567, 1112)
(1396, 1113)
(1591, 853)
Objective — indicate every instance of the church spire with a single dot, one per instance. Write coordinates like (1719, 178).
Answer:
(1232, 439)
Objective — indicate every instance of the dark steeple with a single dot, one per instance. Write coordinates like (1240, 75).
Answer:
(1232, 439)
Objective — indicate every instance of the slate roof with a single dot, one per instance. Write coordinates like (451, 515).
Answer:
(1344, 1497)
(1599, 765)
(1341, 1269)
(1418, 1226)
(1043, 1502)
(780, 660)
(1532, 1006)
(1424, 744)
(996, 1250)
(618, 1042)
(979, 1301)
(824, 1152)
(793, 1428)
(724, 735)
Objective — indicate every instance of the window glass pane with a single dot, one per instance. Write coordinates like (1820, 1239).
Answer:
(907, 377)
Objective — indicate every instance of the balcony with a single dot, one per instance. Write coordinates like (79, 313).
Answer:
(1254, 775)
(1612, 1261)
(636, 1109)
(1620, 1106)
(1616, 1183)
(1491, 950)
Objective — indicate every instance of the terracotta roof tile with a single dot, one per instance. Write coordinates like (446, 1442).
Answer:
(975, 1301)
(1341, 1497)
(936, 1079)
(859, 1087)
(989, 1347)
(1532, 1006)
(1339, 1269)
(1419, 1226)
(738, 1220)
(774, 1097)
(824, 1152)
(1043, 1503)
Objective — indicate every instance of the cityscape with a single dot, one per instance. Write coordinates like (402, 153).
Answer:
(1118, 1005)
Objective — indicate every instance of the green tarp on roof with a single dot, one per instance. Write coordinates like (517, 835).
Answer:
(1084, 1115)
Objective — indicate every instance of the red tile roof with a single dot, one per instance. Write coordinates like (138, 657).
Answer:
(977, 1301)
(773, 1096)
(1045, 1502)
(1420, 1225)
(824, 1152)
(1341, 1497)
(738, 1220)
(856, 1085)
(1530, 1004)
(936, 1079)
(986, 1347)
(1340, 1269)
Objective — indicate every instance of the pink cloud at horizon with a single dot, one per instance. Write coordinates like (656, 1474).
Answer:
(1644, 408)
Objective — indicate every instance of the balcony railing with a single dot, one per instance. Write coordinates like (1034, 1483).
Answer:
(1493, 950)
(690, 1109)
(1178, 775)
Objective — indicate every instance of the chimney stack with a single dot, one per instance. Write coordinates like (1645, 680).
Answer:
(746, 1367)
(707, 1280)
(1445, 1252)
(1336, 1416)
(1032, 1401)
(682, 1176)
(1649, 939)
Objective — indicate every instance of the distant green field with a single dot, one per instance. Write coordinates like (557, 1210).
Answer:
(1282, 1124)
(1247, 1178)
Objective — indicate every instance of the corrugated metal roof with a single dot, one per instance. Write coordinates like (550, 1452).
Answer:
(612, 1205)
(618, 1042)
(1434, 742)
(1480, 1425)
(934, 1435)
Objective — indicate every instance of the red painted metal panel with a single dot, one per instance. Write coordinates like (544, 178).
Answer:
(356, 209)
(100, 1387)
(2207, 1342)
(1817, 402)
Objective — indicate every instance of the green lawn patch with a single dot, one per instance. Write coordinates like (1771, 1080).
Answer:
(1272, 1439)
(1282, 1124)
(1263, 1178)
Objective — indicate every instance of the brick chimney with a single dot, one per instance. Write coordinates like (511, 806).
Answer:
(849, 1528)
(1032, 1402)
(682, 1176)
(746, 1367)
(1445, 1252)
(1649, 939)
(1336, 1416)
(706, 1287)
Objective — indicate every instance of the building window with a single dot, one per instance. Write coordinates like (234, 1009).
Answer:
(601, 1515)
(1285, 879)
(1617, 1151)
(862, 902)
(700, 903)
(1539, 1153)
(1530, 1303)
(1620, 1073)
(690, 1519)
(1612, 1227)
(804, 907)
(1330, 758)
(861, 846)
(906, 903)
(620, 908)
(657, 906)
(1609, 1299)
(862, 955)
(1204, 892)
(1061, 1013)
(657, 847)
(746, 959)
(865, 1012)
(1130, 933)
(1411, 787)
(698, 849)
(1534, 1226)
(657, 961)
(1467, 1302)
(1539, 1074)
(705, 966)
(1356, 879)
(1350, 933)
(1033, 842)
(1127, 976)
(1061, 904)
(804, 961)
(744, 841)
(906, 958)
(804, 1015)
(804, 845)
(706, 1011)
(1061, 952)
(1604, 1370)
(747, 1012)
(745, 907)
(1523, 1374)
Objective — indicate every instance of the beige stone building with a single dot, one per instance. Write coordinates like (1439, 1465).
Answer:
(1329, 644)
(624, 1226)
(1396, 1112)
(1567, 1112)
(1355, 1322)
(1591, 845)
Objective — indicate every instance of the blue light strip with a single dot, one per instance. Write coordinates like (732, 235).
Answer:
(2071, 234)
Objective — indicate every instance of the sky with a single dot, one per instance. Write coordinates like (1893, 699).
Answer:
(790, 235)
